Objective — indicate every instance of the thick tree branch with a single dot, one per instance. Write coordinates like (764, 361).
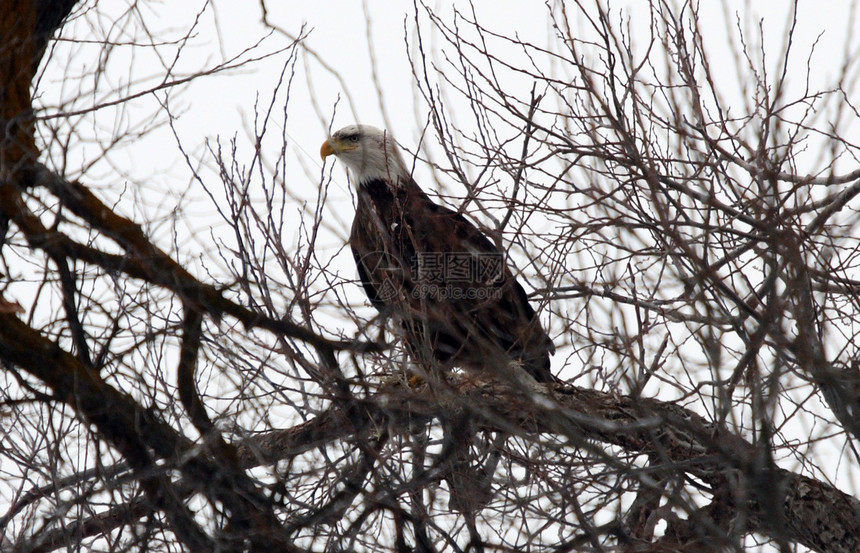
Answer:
(145, 261)
(815, 514)
(135, 431)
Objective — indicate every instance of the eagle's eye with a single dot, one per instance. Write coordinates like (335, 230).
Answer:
(353, 138)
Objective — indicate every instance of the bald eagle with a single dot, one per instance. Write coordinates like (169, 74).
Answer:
(449, 287)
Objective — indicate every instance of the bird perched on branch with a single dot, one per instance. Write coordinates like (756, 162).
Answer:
(450, 288)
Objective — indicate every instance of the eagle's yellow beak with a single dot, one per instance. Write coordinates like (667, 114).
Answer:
(327, 149)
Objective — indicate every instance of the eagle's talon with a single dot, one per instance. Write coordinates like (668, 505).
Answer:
(414, 382)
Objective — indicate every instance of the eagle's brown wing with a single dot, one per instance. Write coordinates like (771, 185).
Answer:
(449, 285)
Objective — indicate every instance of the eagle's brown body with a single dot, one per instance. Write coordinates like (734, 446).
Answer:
(449, 287)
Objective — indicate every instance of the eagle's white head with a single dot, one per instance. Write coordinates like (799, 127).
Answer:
(369, 154)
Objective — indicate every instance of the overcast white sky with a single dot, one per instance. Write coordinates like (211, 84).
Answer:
(344, 36)
(341, 35)
(146, 175)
